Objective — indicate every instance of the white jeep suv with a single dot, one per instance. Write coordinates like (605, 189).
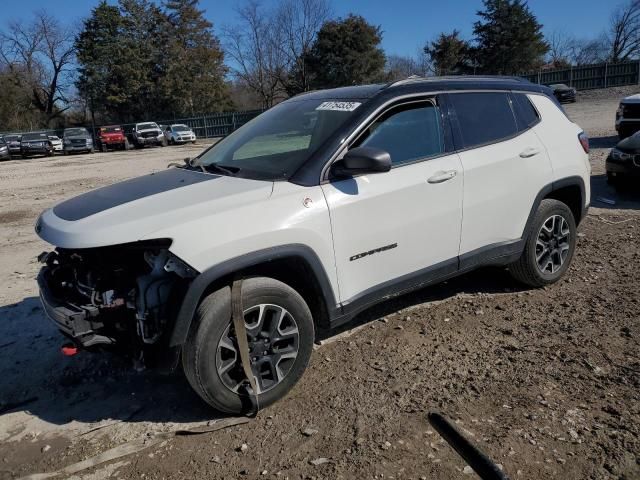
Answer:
(317, 209)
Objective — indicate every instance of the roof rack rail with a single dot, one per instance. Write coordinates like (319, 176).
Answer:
(418, 78)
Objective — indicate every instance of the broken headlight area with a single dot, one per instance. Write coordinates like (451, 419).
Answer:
(124, 295)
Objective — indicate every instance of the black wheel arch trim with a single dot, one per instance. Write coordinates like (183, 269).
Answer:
(201, 283)
(575, 181)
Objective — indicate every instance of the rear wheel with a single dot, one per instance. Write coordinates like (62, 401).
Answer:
(280, 335)
(549, 247)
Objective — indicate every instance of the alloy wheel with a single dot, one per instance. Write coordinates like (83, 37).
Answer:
(553, 244)
(273, 338)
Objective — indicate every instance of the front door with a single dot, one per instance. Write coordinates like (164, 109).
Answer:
(392, 228)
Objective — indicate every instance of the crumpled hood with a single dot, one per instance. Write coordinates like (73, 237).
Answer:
(630, 144)
(133, 210)
(632, 99)
(150, 130)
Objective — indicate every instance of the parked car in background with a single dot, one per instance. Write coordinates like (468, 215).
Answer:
(56, 142)
(77, 139)
(112, 137)
(147, 133)
(4, 150)
(623, 162)
(179, 134)
(13, 142)
(35, 144)
(628, 116)
(563, 92)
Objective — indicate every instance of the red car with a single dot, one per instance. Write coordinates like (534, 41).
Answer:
(112, 137)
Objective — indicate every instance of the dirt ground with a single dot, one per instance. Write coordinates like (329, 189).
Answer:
(545, 381)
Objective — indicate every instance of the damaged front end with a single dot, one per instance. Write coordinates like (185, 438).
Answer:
(123, 296)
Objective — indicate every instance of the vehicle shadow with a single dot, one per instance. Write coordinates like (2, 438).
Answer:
(624, 197)
(608, 141)
(37, 379)
(485, 280)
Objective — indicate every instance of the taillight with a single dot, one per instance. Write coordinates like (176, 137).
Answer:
(584, 141)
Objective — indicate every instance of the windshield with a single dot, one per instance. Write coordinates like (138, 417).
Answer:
(110, 129)
(146, 126)
(180, 128)
(70, 132)
(34, 136)
(275, 144)
(12, 138)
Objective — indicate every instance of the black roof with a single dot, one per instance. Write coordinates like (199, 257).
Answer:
(372, 96)
(425, 85)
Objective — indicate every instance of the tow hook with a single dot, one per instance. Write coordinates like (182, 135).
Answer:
(69, 350)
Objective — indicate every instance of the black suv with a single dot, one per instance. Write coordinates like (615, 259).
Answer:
(35, 144)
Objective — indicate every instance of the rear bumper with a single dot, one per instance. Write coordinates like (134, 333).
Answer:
(78, 322)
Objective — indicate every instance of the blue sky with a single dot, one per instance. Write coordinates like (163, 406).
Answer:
(406, 23)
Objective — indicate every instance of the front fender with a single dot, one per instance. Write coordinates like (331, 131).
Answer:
(198, 287)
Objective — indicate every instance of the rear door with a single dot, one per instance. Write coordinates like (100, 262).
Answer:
(505, 166)
(391, 228)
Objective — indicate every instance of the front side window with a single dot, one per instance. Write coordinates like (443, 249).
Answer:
(484, 117)
(408, 133)
(275, 144)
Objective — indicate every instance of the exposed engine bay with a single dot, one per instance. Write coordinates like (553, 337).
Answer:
(123, 295)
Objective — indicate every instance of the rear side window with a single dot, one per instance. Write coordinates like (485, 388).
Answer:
(484, 117)
(408, 132)
(526, 114)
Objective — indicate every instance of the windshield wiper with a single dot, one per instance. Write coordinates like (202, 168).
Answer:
(225, 170)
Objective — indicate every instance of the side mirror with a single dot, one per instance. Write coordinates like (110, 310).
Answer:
(362, 160)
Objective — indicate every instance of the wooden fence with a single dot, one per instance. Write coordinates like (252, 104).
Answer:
(585, 77)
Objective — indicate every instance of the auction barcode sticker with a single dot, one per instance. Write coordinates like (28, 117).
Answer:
(339, 106)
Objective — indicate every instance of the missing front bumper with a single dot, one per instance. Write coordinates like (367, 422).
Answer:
(78, 322)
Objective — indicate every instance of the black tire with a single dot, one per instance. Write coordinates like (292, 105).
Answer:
(526, 269)
(213, 317)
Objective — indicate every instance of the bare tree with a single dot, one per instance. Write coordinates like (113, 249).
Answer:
(40, 54)
(586, 52)
(624, 33)
(256, 48)
(298, 22)
(399, 67)
(560, 47)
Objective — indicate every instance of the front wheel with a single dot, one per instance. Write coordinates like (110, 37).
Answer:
(280, 335)
(549, 246)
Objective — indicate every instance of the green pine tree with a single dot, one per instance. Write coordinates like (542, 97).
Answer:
(508, 37)
(347, 52)
(194, 74)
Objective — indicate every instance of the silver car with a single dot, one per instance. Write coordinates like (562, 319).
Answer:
(179, 134)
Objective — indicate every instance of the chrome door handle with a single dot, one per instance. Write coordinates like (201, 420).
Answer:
(529, 152)
(441, 176)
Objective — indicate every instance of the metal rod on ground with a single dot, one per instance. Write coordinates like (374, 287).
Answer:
(477, 460)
